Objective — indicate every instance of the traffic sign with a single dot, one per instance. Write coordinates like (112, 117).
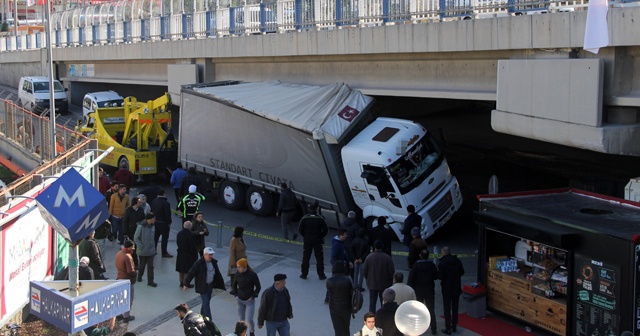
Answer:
(72, 206)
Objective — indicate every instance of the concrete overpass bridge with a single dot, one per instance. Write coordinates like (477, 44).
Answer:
(545, 86)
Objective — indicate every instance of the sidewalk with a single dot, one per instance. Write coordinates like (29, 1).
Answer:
(153, 307)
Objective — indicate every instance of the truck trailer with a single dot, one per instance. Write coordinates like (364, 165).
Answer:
(323, 143)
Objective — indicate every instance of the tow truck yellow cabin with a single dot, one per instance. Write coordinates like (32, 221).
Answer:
(139, 132)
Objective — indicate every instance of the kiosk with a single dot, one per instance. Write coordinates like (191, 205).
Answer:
(565, 260)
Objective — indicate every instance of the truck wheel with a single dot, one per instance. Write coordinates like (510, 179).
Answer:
(231, 195)
(259, 201)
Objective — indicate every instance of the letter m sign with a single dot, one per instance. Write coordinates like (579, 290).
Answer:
(72, 206)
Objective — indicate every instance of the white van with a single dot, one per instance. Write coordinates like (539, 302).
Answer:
(95, 100)
(33, 94)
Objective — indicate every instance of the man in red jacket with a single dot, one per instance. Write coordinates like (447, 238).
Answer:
(127, 271)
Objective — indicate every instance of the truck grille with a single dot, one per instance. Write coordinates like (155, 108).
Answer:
(441, 208)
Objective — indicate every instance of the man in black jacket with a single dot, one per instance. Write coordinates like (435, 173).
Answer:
(422, 279)
(383, 234)
(286, 210)
(313, 229)
(162, 209)
(412, 220)
(339, 287)
(360, 249)
(450, 272)
(275, 307)
(385, 316)
(245, 287)
(132, 216)
(205, 283)
(193, 323)
(89, 248)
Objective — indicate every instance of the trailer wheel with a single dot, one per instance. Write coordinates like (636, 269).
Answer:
(232, 195)
(260, 202)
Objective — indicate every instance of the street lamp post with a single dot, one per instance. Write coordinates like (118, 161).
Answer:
(52, 100)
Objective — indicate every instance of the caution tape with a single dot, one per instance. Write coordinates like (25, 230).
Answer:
(282, 240)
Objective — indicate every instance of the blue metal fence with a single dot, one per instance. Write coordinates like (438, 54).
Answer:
(274, 16)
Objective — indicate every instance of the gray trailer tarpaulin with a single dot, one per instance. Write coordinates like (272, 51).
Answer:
(268, 133)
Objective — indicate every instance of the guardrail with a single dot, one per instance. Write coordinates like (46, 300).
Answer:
(134, 21)
(33, 134)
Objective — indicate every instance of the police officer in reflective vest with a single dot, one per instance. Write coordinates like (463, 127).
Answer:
(190, 203)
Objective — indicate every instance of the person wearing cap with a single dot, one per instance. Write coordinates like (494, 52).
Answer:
(313, 229)
(378, 270)
(207, 275)
(190, 203)
(84, 271)
(413, 220)
(417, 245)
(127, 271)
(246, 287)
(144, 238)
(275, 307)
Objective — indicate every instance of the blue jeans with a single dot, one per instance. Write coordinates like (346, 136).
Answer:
(205, 309)
(281, 327)
(116, 229)
(358, 275)
(246, 309)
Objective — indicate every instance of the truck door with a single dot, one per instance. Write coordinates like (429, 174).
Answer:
(380, 188)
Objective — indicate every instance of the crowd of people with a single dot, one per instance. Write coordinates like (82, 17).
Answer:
(139, 223)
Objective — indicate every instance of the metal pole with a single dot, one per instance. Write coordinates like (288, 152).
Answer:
(52, 100)
(73, 269)
(15, 21)
(219, 234)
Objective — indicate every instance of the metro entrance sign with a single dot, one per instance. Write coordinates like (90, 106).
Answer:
(72, 206)
(95, 301)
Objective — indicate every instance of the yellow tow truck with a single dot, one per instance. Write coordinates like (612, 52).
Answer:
(139, 132)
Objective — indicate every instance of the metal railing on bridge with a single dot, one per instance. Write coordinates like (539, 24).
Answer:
(32, 134)
(132, 21)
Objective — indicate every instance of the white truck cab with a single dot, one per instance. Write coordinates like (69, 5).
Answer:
(394, 163)
(33, 94)
(94, 100)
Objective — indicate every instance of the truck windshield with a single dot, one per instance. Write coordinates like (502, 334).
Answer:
(44, 87)
(416, 165)
(111, 103)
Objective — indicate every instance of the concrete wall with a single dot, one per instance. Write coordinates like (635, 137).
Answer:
(26, 161)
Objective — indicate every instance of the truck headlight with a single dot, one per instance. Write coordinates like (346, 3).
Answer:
(39, 100)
